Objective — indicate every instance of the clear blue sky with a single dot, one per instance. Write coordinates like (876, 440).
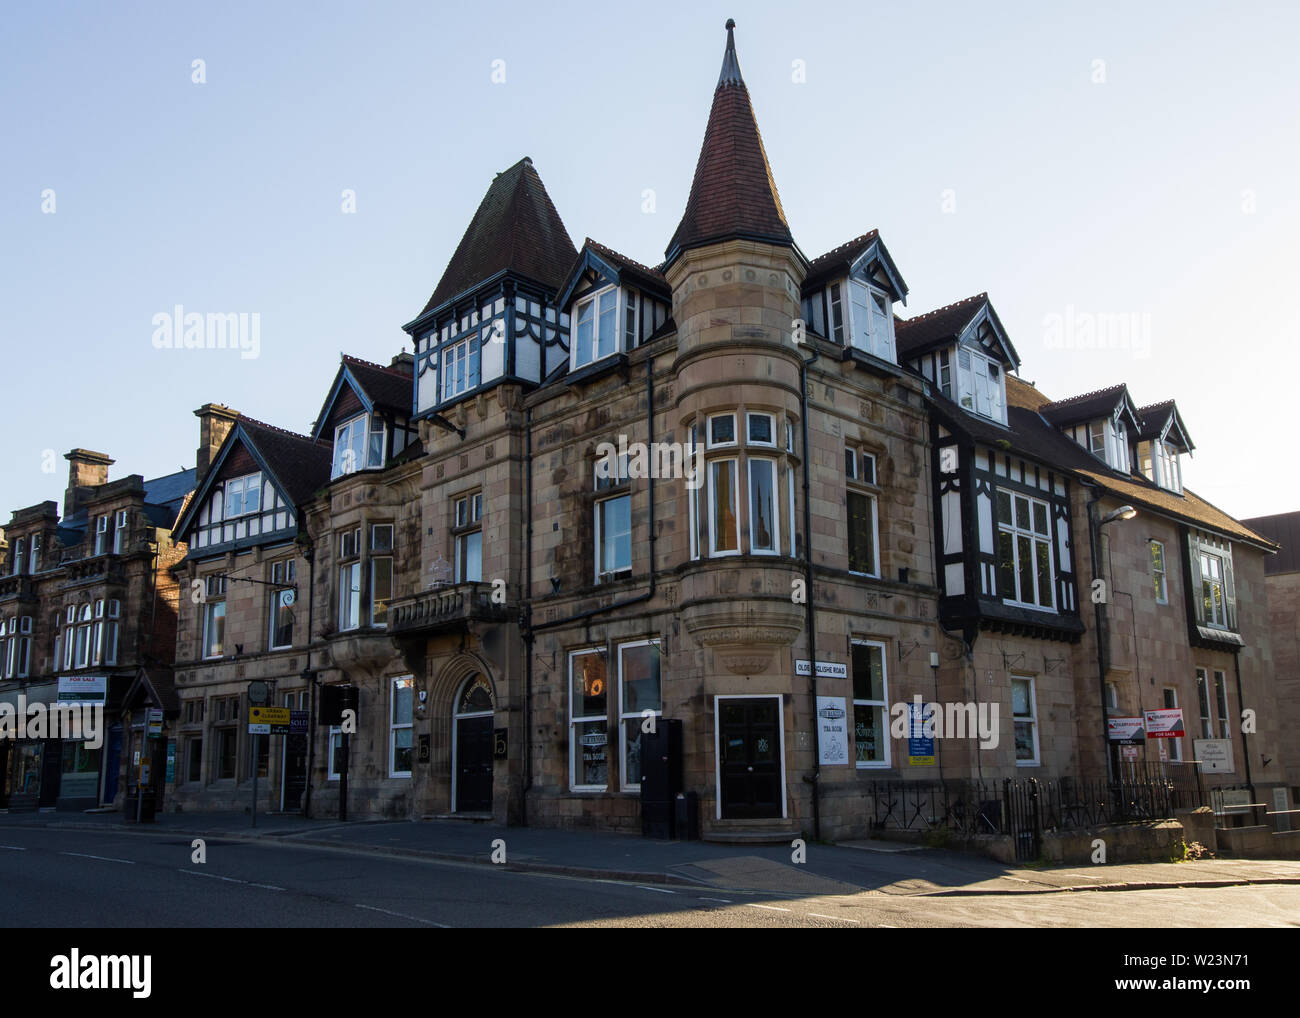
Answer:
(1128, 196)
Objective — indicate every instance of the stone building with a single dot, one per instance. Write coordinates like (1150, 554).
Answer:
(88, 615)
(1282, 582)
(734, 490)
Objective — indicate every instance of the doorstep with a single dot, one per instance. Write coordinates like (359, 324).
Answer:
(752, 832)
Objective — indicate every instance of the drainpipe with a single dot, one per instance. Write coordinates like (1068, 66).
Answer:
(809, 611)
(525, 615)
(310, 552)
(1245, 741)
(1099, 615)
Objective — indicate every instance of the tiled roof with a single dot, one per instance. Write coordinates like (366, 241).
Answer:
(826, 265)
(1088, 406)
(936, 326)
(733, 193)
(298, 463)
(1039, 439)
(1282, 529)
(389, 387)
(642, 275)
(517, 228)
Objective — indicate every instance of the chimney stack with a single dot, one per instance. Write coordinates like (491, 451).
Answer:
(215, 423)
(86, 470)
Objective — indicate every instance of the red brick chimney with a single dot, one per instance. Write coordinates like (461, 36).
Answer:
(215, 423)
(86, 470)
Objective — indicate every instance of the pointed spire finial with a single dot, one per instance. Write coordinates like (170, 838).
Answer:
(730, 65)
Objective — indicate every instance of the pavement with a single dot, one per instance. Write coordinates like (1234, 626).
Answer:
(847, 868)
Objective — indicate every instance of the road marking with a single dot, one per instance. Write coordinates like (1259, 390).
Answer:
(838, 919)
(413, 918)
(269, 887)
(725, 901)
(103, 858)
(770, 908)
(211, 876)
(13, 848)
(660, 890)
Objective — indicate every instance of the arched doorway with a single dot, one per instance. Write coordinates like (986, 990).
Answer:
(471, 766)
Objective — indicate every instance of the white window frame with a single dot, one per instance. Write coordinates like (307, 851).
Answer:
(210, 615)
(1026, 719)
(119, 532)
(708, 432)
(973, 391)
(604, 574)
(775, 475)
(855, 485)
(34, 544)
(467, 510)
(465, 353)
(380, 620)
(734, 462)
(1034, 537)
(624, 716)
(395, 726)
(1160, 576)
(349, 437)
(750, 416)
(1112, 697)
(1212, 617)
(244, 485)
(877, 333)
(593, 300)
(101, 535)
(883, 704)
(576, 722)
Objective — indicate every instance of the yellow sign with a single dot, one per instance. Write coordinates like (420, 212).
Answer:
(268, 715)
(923, 761)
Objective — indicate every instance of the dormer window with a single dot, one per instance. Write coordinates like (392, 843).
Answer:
(1160, 464)
(871, 320)
(358, 445)
(979, 384)
(596, 319)
(1106, 439)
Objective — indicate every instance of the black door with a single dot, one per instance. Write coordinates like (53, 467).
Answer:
(474, 765)
(751, 761)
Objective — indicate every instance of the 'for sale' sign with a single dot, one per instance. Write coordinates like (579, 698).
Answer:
(1165, 724)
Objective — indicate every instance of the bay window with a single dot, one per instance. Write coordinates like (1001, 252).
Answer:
(460, 367)
(1025, 573)
(350, 579)
(980, 383)
(764, 525)
(724, 535)
(358, 445)
(381, 572)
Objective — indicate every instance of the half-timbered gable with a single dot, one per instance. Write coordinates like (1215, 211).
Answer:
(493, 316)
(1004, 540)
(848, 298)
(367, 416)
(964, 351)
(253, 491)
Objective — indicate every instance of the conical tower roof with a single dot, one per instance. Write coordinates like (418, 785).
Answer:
(733, 194)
